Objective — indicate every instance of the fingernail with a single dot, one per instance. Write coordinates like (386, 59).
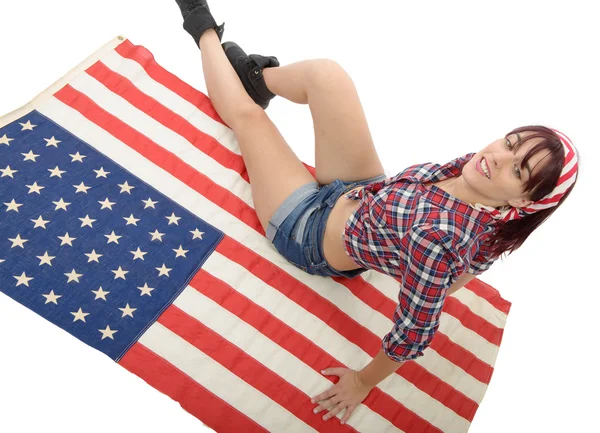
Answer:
(315, 411)
(342, 422)
(312, 400)
(323, 371)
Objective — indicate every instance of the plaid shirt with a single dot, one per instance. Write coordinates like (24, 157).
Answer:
(423, 237)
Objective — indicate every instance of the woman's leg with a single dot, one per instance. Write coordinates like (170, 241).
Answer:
(274, 169)
(344, 148)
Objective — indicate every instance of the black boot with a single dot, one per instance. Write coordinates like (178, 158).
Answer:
(249, 69)
(197, 19)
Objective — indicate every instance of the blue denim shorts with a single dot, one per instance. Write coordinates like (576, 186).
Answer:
(298, 226)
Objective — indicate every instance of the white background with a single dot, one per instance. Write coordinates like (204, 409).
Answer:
(437, 80)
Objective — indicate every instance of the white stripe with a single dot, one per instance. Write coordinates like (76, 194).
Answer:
(271, 355)
(481, 307)
(220, 381)
(470, 340)
(194, 202)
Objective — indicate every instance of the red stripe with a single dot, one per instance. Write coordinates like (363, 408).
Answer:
(313, 355)
(222, 197)
(488, 293)
(193, 397)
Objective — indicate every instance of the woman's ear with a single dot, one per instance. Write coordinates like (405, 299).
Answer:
(521, 202)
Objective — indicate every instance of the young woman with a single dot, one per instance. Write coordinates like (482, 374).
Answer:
(432, 227)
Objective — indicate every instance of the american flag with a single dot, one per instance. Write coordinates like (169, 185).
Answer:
(127, 220)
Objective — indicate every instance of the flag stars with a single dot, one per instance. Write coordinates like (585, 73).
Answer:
(173, 219)
(66, 239)
(125, 187)
(77, 157)
(52, 142)
(27, 126)
(56, 172)
(22, 279)
(106, 204)
(145, 290)
(61, 204)
(163, 270)
(87, 221)
(113, 238)
(100, 294)
(93, 256)
(138, 254)
(127, 311)
(120, 273)
(196, 234)
(73, 276)
(180, 252)
(13, 205)
(79, 315)
(156, 235)
(107, 333)
(131, 220)
(30, 156)
(81, 188)
(51, 298)
(8, 172)
(46, 259)
(149, 203)
(5, 140)
(18, 241)
(35, 188)
(40, 222)
(101, 173)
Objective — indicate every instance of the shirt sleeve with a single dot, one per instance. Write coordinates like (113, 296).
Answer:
(429, 270)
(479, 264)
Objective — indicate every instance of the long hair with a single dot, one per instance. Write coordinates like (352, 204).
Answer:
(509, 236)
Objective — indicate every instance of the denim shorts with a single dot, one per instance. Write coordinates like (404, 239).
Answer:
(298, 226)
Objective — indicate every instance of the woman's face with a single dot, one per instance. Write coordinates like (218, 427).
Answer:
(504, 181)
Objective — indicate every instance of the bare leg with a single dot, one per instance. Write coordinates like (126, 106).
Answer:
(344, 147)
(274, 169)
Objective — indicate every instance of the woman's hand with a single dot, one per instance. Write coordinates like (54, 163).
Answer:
(348, 393)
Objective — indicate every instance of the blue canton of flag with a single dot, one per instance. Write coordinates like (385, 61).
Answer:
(86, 244)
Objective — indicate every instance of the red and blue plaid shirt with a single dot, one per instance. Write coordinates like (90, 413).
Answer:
(423, 237)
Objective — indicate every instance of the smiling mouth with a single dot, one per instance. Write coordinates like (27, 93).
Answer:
(483, 166)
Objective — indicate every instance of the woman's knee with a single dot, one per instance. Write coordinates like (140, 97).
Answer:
(327, 72)
(245, 114)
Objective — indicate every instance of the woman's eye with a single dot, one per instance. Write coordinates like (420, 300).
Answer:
(518, 172)
(508, 143)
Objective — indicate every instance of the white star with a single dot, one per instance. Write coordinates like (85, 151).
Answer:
(163, 270)
(73, 276)
(23, 279)
(66, 239)
(120, 273)
(125, 187)
(87, 221)
(173, 219)
(113, 238)
(149, 203)
(157, 235)
(146, 290)
(107, 333)
(196, 234)
(46, 259)
(5, 140)
(51, 297)
(52, 142)
(56, 172)
(106, 204)
(27, 126)
(93, 256)
(35, 188)
(180, 252)
(8, 172)
(2, 260)
(81, 188)
(127, 311)
(138, 254)
(101, 173)
(79, 315)
(40, 222)
(100, 293)
(30, 156)
(77, 157)
(131, 220)
(18, 241)
(61, 204)
(13, 205)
